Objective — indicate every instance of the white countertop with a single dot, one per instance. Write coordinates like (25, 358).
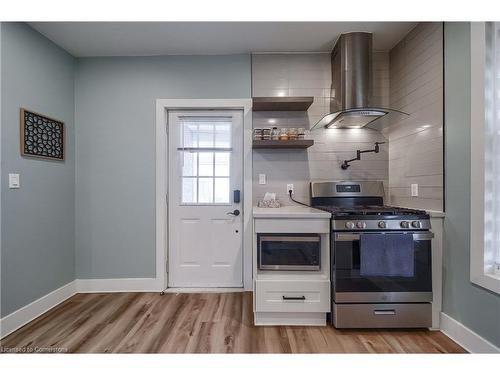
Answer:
(433, 213)
(295, 212)
(307, 212)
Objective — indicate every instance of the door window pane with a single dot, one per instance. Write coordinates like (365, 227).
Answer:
(189, 191)
(206, 163)
(222, 190)
(206, 135)
(206, 190)
(189, 135)
(222, 164)
(190, 164)
(223, 135)
(205, 174)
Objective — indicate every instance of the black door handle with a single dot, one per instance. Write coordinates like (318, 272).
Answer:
(234, 213)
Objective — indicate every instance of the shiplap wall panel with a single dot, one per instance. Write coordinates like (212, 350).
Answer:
(416, 143)
(310, 75)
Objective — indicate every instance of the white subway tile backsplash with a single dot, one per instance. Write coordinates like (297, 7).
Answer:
(277, 83)
(404, 181)
(416, 143)
(409, 77)
(270, 92)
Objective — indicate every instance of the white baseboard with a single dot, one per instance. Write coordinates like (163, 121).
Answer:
(117, 285)
(26, 314)
(465, 337)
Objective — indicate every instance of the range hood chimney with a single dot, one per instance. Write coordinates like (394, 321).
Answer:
(351, 89)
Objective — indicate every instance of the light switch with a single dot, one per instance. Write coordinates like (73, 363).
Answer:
(262, 179)
(414, 190)
(14, 181)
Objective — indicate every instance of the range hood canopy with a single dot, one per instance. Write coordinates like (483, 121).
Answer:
(351, 89)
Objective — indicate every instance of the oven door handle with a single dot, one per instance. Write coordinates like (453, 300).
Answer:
(355, 236)
(280, 238)
(384, 312)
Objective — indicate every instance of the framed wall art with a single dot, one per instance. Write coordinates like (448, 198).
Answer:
(41, 136)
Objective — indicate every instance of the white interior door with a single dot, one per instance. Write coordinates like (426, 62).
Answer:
(205, 169)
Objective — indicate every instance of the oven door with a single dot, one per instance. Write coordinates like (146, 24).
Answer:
(289, 252)
(350, 287)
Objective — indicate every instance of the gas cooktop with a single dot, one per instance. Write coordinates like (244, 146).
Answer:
(370, 210)
(360, 206)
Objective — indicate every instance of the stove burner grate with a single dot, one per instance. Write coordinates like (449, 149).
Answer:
(370, 210)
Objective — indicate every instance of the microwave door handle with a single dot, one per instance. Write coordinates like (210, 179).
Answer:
(355, 236)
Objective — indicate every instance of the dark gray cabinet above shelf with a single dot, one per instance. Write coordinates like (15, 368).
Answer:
(296, 144)
(282, 103)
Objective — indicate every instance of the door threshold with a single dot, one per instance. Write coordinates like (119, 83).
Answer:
(204, 290)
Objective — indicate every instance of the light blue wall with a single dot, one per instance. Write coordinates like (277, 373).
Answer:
(115, 150)
(38, 219)
(476, 308)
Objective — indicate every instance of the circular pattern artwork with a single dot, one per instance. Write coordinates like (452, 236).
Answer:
(41, 136)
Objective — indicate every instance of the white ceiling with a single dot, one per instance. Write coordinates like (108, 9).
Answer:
(170, 38)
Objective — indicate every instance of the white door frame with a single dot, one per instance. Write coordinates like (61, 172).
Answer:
(161, 135)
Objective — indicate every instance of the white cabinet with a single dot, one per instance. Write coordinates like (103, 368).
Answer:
(292, 297)
(292, 226)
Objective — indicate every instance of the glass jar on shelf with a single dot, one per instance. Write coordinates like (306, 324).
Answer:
(283, 134)
(292, 134)
(275, 134)
(266, 134)
(301, 133)
(257, 134)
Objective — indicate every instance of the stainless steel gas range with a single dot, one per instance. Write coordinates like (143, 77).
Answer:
(381, 270)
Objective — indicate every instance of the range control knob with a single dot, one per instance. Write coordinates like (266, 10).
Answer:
(349, 225)
(360, 225)
(404, 224)
(416, 224)
(382, 224)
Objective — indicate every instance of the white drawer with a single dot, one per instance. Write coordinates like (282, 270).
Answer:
(292, 226)
(292, 296)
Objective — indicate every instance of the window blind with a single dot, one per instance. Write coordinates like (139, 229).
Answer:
(492, 148)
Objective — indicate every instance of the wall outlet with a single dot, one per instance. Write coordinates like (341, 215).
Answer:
(14, 182)
(289, 187)
(414, 190)
(262, 179)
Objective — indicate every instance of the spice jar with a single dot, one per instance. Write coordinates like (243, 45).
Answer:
(257, 134)
(292, 134)
(284, 134)
(301, 133)
(266, 134)
(275, 134)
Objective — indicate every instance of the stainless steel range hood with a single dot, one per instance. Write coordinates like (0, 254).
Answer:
(351, 89)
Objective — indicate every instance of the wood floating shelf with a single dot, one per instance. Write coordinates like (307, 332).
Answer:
(282, 103)
(295, 144)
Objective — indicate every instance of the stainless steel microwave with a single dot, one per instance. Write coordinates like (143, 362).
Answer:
(289, 252)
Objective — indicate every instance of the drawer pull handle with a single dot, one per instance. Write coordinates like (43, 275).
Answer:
(384, 312)
(301, 298)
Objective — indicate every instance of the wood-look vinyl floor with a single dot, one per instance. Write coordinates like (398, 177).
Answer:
(197, 323)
